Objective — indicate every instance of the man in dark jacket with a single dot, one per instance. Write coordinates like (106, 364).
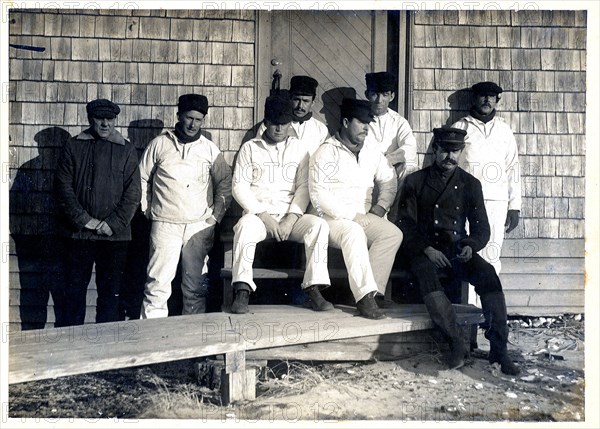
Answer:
(97, 187)
(435, 204)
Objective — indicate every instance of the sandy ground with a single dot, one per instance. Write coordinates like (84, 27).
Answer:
(414, 389)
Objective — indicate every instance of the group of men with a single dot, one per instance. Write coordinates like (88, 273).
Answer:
(359, 190)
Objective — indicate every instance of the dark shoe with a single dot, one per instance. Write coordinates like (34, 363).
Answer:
(240, 304)
(494, 311)
(367, 307)
(316, 300)
(382, 302)
(443, 315)
(506, 364)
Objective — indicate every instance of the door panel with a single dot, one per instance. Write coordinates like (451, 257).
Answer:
(335, 47)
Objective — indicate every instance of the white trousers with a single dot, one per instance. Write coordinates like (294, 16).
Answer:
(369, 252)
(496, 213)
(308, 229)
(169, 242)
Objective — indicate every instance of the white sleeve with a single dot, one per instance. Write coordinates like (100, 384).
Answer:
(242, 181)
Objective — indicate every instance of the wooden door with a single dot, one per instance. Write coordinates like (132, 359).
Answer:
(335, 47)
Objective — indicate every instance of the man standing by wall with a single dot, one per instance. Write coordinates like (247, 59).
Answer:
(186, 189)
(97, 185)
(435, 205)
(390, 132)
(271, 186)
(491, 156)
(343, 173)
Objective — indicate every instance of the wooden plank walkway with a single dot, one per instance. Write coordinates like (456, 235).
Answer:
(56, 352)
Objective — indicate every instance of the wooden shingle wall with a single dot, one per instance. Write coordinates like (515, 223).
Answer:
(140, 59)
(539, 59)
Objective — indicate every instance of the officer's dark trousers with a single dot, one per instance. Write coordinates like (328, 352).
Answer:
(477, 271)
(110, 258)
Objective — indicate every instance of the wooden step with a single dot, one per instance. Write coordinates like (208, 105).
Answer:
(49, 353)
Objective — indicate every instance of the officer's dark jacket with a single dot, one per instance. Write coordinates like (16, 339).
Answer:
(428, 217)
(97, 179)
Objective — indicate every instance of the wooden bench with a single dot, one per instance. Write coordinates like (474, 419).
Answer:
(265, 330)
(399, 277)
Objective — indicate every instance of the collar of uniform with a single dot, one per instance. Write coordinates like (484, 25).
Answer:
(115, 137)
(387, 114)
(482, 118)
(178, 144)
(303, 119)
(274, 146)
(338, 142)
(438, 180)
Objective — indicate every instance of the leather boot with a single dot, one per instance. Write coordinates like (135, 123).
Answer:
(443, 315)
(367, 307)
(317, 302)
(242, 296)
(494, 311)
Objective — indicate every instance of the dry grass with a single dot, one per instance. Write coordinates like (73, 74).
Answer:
(289, 378)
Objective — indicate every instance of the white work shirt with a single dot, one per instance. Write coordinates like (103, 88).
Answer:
(272, 177)
(392, 135)
(312, 133)
(341, 186)
(491, 155)
(184, 183)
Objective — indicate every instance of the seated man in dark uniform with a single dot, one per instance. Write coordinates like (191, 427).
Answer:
(434, 206)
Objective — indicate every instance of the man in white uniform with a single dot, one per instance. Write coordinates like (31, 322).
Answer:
(343, 173)
(311, 131)
(186, 189)
(491, 156)
(270, 184)
(389, 131)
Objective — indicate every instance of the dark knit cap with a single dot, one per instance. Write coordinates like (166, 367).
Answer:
(380, 81)
(359, 109)
(102, 108)
(486, 88)
(303, 85)
(278, 110)
(195, 102)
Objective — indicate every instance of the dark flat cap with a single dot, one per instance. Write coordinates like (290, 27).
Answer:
(380, 81)
(359, 109)
(278, 110)
(102, 108)
(486, 88)
(450, 138)
(195, 102)
(303, 85)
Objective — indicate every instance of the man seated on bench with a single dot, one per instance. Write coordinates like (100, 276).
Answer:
(435, 204)
(270, 184)
(343, 173)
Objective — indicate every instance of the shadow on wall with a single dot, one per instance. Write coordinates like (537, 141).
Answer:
(332, 99)
(37, 249)
(139, 133)
(460, 103)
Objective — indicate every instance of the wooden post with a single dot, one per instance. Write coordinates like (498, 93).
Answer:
(238, 383)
